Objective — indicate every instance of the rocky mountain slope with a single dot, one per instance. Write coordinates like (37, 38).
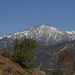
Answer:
(47, 56)
(43, 34)
(51, 41)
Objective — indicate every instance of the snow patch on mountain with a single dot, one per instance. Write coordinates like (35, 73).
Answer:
(43, 34)
(70, 32)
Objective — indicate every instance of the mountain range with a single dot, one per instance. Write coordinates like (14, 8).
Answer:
(51, 41)
(42, 34)
(47, 56)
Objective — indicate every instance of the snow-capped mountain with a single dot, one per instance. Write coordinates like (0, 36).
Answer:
(43, 34)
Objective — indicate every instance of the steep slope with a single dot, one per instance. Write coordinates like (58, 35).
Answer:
(47, 56)
(10, 68)
(43, 34)
(7, 67)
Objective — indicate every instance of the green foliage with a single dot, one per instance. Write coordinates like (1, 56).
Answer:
(24, 52)
(29, 71)
(16, 44)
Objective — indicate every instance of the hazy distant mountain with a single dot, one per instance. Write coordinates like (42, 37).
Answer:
(43, 34)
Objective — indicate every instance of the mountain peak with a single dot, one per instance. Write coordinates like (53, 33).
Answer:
(43, 34)
(40, 26)
(43, 27)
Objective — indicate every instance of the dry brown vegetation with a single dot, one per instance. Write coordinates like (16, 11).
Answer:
(7, 67)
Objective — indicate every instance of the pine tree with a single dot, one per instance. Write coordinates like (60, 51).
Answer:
(24, 52)
(16, 50)
(16, 44)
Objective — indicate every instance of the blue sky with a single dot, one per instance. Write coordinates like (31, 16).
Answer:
(19, 15)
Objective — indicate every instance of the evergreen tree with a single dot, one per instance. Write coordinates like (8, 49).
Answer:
(16, 50)
(24, 52)
(16, 44)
